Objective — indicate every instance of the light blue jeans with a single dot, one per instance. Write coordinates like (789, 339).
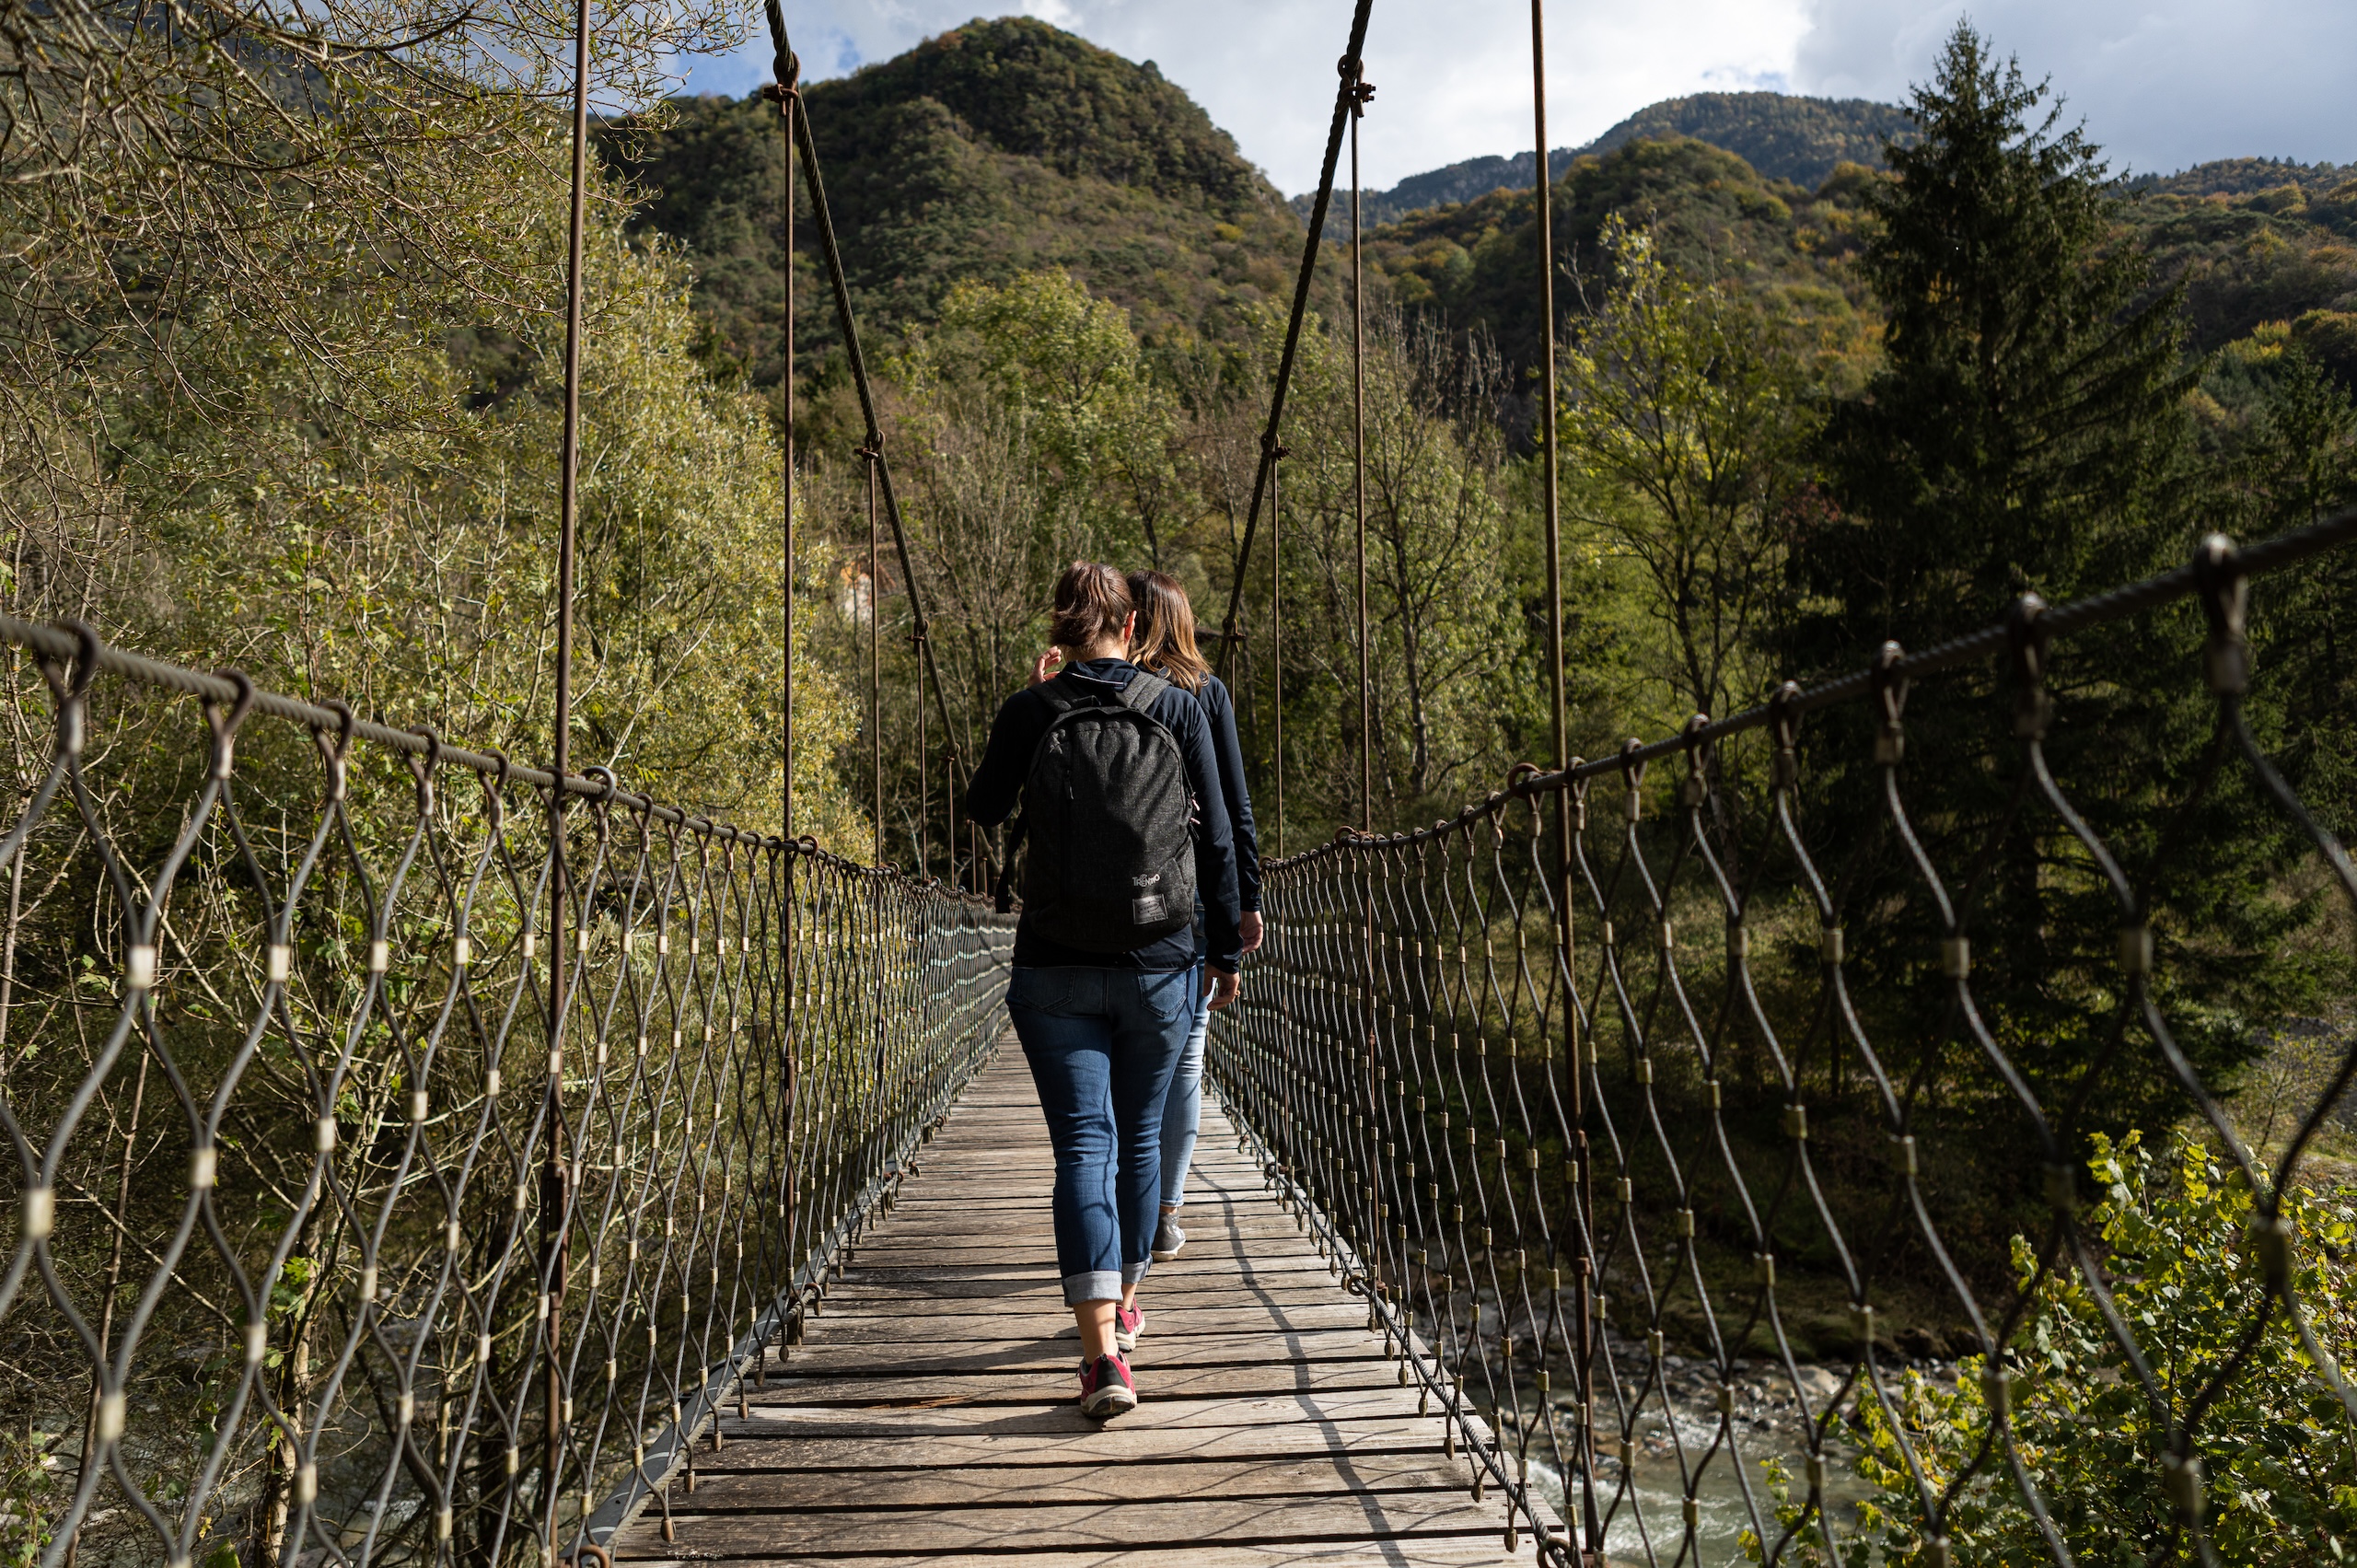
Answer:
(1183, 1110)
(1101, 1044)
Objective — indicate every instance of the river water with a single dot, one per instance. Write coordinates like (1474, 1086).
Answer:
(1768, 1424)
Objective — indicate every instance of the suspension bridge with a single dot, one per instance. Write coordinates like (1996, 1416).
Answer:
(426, 1158)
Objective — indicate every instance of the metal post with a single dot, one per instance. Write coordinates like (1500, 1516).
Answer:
(874, 658)
(924, 784)
(1583, 1279)
(783, 92)
(552, 1183)
(1277, 629)
(1360, 92)
(789, 73)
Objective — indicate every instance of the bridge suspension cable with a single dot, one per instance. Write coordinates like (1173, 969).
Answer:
(785, 92)
(1345, 108)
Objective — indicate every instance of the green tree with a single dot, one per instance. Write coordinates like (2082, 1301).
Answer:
(2274, 1441)
(1685, 430)
(1441, 631)
(2299, 465)
(2027, 432)
(1066, 367)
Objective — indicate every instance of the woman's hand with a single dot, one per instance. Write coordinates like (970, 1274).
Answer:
(1043, 669)
(1251, 929)
(1224, 985)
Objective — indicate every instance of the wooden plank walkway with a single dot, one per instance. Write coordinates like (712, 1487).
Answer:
(930, 1416)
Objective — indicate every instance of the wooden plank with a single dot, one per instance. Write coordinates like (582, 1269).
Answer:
(960, 1242)
(950, 1250)
(956, 1224)
(1023, 1265)
(1314, 1407)
(1047, 1302)
(847, 1327)
(962, 1232)
(1036, 1384)
(1142, 1447)
(988, 1357)
(909, 1221)
(1441, 1551)
(930, 1533)
(999, 1486)
(1042, 1293)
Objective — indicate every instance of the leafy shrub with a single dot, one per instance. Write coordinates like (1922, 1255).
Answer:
(24, 1464)
(2278, 1449)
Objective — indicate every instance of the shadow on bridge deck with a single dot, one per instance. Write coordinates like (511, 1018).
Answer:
(929, 1416)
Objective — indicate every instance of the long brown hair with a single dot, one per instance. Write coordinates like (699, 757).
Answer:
(1167, 630)
(1091, 601)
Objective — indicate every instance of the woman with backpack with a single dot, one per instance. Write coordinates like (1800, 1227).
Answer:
(1126, 825)
(1165, 645)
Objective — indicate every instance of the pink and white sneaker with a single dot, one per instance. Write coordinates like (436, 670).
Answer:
(1128, 1324)
(1105, 1389)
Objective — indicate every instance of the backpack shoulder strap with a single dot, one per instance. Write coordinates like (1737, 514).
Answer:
(1140, 694)
(1060, 698)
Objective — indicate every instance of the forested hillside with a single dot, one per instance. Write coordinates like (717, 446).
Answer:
(2249, 243)
(993, 150)
(1781, 136)
(1713, 213)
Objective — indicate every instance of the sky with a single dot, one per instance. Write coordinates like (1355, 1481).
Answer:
(2160, 84)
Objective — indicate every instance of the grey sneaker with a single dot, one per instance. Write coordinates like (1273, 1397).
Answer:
(1167, 1239)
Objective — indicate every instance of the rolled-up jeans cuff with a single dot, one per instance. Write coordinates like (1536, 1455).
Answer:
(1133, 1273)
(1098, 1285)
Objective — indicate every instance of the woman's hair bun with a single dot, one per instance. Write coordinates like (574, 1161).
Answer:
(1091, 601)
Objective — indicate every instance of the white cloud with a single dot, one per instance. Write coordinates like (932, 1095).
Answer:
(2161, 83)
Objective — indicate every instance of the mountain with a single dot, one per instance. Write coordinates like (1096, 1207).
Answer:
(1781, 136)
(2244, 177)
(2252, 244)
(1001, 146)
(1475, 263)
(1475, 178)
(993, 148)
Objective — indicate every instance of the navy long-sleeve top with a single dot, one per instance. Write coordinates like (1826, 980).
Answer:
(1015, 734)
(1221, 711)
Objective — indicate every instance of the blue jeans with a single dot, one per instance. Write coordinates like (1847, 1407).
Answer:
(1102, 1044)
(1184, 1108)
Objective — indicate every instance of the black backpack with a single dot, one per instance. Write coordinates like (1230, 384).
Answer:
(1110, 821)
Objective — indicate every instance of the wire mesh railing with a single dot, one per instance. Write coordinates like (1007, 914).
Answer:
(1796, 1019)
(330, 1247)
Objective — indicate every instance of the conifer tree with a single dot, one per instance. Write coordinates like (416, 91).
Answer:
(2028, 434)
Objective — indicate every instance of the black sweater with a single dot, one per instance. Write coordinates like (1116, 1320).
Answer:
(998, 785)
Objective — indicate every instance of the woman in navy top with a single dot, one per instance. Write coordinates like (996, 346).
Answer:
(1166, 644)
(1103, 1031)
